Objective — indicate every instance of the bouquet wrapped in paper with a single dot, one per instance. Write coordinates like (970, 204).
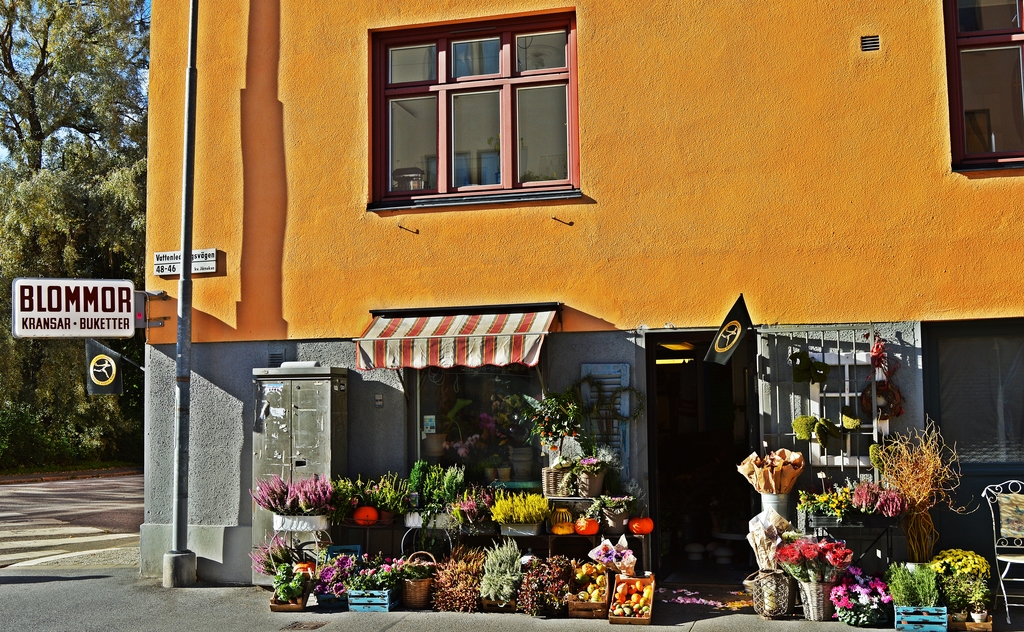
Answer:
(766, 529)
(773, 473)
(619, 557)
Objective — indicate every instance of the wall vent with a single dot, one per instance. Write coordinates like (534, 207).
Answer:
(275, 356)
(869, 43)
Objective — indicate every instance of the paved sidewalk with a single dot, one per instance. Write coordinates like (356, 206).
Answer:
(105, 599)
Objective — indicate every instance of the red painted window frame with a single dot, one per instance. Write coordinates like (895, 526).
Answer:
(955, 43)
(445, 86)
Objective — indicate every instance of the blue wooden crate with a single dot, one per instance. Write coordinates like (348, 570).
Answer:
(334, 550)
(921, 619)
(332, 602)
(372, 600)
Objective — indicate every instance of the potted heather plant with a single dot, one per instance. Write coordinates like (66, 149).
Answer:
(302, 505)
(520, 514)
(503, 572)
(472, 511)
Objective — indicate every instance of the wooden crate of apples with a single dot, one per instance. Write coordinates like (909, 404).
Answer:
(632, 600)
(590, 601)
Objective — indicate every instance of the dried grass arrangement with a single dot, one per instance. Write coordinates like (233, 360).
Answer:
(926, 472)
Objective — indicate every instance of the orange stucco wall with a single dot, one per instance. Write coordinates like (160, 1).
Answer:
(725, 147)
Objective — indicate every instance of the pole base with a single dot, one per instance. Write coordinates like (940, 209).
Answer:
(179, 569)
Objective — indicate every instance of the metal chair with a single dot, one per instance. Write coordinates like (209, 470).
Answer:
(1006, 503)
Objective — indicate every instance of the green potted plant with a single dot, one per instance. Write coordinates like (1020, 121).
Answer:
(520, 514)
(555, 418)
(915, 595)
(490, 465)
(980, 597)
(390, 496)
(958, 570)
(503, 572)
(613, 511)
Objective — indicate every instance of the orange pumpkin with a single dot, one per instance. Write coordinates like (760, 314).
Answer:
(641, 526)
(587, 526)
(365, 516)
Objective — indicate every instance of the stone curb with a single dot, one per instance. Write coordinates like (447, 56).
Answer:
(65, 476)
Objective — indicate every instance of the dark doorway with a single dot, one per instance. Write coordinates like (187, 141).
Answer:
(702, 422)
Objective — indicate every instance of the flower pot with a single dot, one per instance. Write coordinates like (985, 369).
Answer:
(520, 529)
(300, 523)
(958, 617)
(505, 474)
(591, 485)
(385, 517)
(979, 617)
(433, 445)
(522, 463)
(491, 474)
(614, 523)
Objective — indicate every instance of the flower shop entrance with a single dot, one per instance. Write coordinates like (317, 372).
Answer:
(702, 422)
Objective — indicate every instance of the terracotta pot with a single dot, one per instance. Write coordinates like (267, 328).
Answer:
(505, 474)
(490, 473)
(433, 445)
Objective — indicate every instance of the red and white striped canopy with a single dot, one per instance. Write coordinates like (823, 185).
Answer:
(456, 340)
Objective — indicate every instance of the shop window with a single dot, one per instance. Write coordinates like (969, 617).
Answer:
(475, 109)
(473, 416)
(975, 389)
(985, 82)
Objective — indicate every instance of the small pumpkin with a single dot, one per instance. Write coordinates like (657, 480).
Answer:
(641, 526)
(365, 516)
(587, 526)
(562, 528)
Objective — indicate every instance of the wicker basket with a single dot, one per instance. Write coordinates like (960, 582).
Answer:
(773, 592)
(551, 481)
(817, 603)
(416, 592)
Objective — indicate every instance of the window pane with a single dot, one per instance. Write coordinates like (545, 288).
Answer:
(987, 15)
(476, 138)
(993, 109)
(479, 57)
(543, 138)
(414, 144)
(981, 386)
(544, 50)
(414, 63)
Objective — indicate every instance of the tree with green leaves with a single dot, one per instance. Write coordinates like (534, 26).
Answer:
(73, 103)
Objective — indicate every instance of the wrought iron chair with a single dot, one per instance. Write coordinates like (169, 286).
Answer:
(1006, 503)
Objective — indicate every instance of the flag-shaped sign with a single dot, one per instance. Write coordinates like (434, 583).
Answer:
(102, 369)
(729, 335)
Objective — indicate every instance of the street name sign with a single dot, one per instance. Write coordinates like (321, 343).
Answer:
(168, 263)
(72, 308)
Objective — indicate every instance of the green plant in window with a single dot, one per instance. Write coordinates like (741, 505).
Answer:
(807, 370)
(806, 427)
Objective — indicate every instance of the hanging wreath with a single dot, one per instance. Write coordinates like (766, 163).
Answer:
(888, 398)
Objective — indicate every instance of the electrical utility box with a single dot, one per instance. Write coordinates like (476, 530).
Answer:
(300, 429)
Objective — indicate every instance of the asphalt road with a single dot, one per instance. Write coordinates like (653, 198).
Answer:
(38, 520)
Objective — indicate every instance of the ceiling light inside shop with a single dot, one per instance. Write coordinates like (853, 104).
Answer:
(677, 346)
(673, 361)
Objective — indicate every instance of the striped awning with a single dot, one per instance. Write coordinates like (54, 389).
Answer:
(453, 340)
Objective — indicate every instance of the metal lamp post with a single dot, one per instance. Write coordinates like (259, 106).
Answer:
(179, 564)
